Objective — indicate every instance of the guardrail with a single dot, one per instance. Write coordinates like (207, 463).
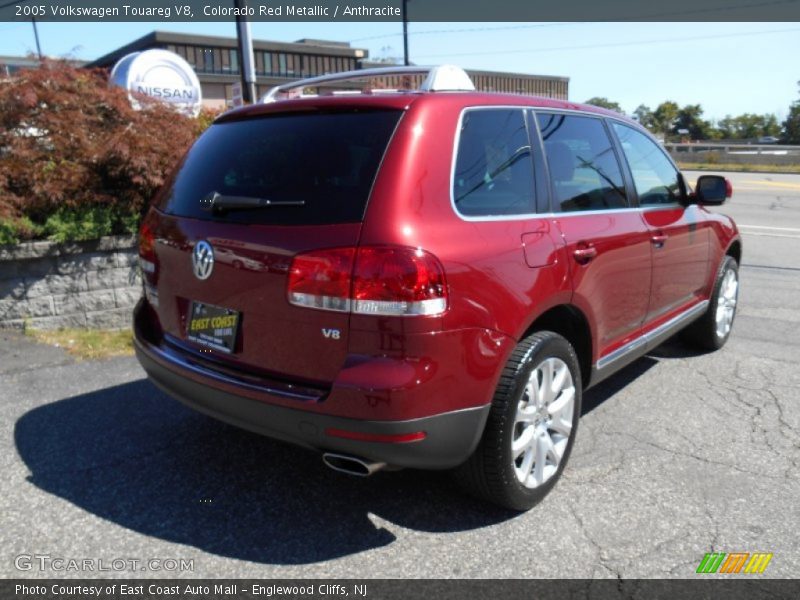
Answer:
(768, 149)
(772, 155)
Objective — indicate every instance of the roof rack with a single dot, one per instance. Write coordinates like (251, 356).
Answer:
(439, 79)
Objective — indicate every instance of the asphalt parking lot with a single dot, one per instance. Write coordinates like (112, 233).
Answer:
(676, 456)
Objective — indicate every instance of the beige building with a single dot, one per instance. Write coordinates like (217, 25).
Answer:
(216, 62)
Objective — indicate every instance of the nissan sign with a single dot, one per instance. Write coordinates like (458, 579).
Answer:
(161, 75)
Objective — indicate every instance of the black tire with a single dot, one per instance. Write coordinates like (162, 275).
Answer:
(491, 472)
(703, 332)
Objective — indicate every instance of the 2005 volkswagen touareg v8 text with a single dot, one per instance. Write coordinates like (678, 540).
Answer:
(425, 278)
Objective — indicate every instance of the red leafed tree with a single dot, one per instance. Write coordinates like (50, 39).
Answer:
(69, 140)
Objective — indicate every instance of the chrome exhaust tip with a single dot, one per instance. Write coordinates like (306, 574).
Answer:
(351, 465)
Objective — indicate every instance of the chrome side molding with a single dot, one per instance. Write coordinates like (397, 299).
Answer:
(650, 339)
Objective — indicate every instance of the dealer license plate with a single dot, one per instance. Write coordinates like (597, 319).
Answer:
(213, 326)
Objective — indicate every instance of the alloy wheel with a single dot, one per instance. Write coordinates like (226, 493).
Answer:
(726, 303)
(543, 422)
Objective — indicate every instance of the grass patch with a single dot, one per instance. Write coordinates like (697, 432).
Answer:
(87, 343)
(693, 166)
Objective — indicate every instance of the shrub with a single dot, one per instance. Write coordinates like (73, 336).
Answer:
(8, 232)
(76, 160)
(79, 224)
(12, 231)
(205, 119)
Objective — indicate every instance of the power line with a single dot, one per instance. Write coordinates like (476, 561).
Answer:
(613, 44)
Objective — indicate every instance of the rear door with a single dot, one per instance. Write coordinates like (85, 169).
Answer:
(316, 169)
(607, 241)
(679, 234)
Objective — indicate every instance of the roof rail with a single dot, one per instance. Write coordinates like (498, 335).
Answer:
(439, 78)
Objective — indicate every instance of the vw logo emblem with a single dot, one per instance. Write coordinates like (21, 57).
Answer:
(202, 260)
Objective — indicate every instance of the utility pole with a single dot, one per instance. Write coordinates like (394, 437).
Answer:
(36, 35)
(405, 33)
(245, 42)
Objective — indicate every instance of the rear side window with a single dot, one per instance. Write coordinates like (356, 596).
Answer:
(655, 178)
(493, 172)
(583, 166)
(323, 165)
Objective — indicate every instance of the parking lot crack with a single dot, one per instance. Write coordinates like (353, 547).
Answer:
(759, 433)
(786, 429)
(694, 456)
(602, 559)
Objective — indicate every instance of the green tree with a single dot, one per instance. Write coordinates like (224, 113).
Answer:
(751, 126)
(644, 115)
(771, 126)
(748, 126)
(727, 128)
(791, 126)
(664, 116)
(690, 118)
(605, 103)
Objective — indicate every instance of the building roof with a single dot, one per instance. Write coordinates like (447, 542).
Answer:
(512, 74)
(159, 38)
(370, 64)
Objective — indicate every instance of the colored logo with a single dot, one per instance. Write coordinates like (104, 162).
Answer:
(734, 562)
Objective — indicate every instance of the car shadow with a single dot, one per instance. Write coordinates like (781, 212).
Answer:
(674, 348)
(670, 349)
(133, 456)
(595, 396)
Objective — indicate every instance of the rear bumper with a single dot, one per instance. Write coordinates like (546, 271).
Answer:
(449, 440)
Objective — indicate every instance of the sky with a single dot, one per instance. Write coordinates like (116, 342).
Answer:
(728, 68)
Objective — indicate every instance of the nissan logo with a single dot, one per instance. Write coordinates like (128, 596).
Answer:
(160, 74)
(202, 260)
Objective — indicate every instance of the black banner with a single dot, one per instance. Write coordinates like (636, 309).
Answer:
(391, 10)
(740, 587)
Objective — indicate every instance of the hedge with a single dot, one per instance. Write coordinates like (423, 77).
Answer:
(76, 160)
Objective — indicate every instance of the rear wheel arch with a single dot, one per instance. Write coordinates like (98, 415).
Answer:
(735, 251)
(569, 322)
(531, 425)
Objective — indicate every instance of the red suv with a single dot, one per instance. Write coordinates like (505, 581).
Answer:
(426, 278)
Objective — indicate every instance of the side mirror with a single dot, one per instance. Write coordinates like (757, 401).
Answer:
(712, 190)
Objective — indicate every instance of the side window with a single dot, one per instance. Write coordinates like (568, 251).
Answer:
(655, 178)
(583, 166)
(494, 172)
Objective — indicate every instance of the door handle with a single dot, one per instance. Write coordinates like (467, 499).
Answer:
(659, 239)
(584, 254)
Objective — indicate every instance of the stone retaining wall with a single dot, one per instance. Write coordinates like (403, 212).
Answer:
(45, 285)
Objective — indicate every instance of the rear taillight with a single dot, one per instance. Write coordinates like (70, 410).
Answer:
(371, 280)
(398, 281)
(147, 253)
(322, 279)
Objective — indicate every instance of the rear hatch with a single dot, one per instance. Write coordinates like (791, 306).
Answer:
(259, 191)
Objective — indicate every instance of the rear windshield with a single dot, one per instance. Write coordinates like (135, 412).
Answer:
(322, 163)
